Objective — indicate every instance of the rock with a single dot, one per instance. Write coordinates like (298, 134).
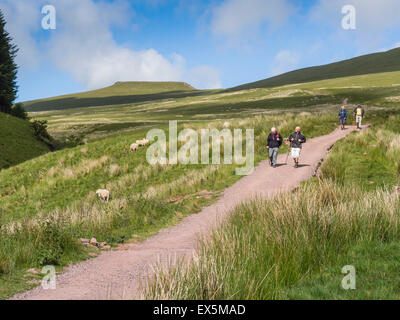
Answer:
(33, 270)
(83, 240)
(93, 254)
(102, 244)
(106, 247)
(93, 241)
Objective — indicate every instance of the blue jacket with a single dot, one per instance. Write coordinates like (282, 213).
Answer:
(342, 114)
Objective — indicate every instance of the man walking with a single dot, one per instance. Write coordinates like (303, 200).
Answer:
(359, 114)
(274, 141)
(296, 140)
(343, 117)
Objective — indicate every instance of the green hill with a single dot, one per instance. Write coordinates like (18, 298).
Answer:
(372, 63)
(118, 93)
(17, 142)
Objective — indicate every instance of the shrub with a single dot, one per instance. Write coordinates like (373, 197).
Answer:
(40, 128)
(18, 111)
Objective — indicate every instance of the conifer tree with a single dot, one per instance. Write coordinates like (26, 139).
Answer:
(8, 69)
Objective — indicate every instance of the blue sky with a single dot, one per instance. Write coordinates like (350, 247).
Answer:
(207, 43)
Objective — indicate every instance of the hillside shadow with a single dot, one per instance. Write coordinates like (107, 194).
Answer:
(73, 103)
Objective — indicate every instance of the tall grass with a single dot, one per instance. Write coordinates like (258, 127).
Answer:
(55, 194)
(271, 245)
(369, 159)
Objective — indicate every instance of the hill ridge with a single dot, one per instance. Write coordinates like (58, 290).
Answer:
(380, 62)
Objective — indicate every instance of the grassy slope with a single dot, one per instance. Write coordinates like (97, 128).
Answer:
(118, 93)
(371, 162)
(61, 185)
(324, 95)
(47, 184)
(373, 63)
(17, 142)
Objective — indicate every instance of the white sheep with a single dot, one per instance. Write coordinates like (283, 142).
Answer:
(227, 124)
(142, 142)
(134, 147)
(103, 194)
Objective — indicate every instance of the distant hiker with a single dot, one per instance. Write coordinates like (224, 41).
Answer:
(296, 141)
(359, 114)
(343, 117)
(274, 141)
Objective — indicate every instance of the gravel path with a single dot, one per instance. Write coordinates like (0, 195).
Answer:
(117, 274)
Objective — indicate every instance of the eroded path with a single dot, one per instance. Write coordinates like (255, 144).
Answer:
(117, 274)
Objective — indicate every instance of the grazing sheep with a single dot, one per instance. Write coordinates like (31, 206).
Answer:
(142, 142)
(227, 124)
(103, 194)
(134, 147)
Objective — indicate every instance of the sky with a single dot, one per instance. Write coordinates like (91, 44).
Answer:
(207, 43)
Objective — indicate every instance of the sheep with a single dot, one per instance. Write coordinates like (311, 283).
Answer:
(134, 147)
(142, 142)
(227, 124)
(103, 194)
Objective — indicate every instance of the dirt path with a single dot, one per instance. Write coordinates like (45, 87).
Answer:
(116, 274)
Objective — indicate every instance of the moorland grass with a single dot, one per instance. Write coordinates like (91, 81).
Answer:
(294, 246)
(49, 202)
(373, 90)
(269, 246)
(18, 142)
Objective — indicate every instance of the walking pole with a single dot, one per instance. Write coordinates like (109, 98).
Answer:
(288, 144)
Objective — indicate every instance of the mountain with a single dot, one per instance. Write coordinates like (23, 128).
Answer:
(118, 93)
(17, 142)
(372, 63)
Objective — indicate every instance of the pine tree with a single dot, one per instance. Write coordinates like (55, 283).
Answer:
(8, 69)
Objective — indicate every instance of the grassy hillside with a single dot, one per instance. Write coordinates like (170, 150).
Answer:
(372, 63)
(17, 142)
(295, 245)
(118, 93)
(381, 90)
(61, 185)
(50, 202)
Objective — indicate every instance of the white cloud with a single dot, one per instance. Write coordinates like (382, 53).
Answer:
(373, 17)
(22, 22)
(83, 45)
(235, 18)
(284, 61)
(204, 77)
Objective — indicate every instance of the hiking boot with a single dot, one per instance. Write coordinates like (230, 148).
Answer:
(274, 165)
(296, 165)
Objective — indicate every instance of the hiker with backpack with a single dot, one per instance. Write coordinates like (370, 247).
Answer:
(296, 140)
(359, 114)
(274, 141)
(343, 117)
